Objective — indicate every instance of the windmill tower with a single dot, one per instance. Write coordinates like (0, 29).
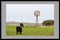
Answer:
(36, 14)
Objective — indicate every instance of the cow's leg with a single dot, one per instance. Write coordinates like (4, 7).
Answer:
(16, 32)
(20, 31)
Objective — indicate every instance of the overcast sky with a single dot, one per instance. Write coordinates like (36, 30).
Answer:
(25, 12)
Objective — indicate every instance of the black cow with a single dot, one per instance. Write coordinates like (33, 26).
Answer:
(19, 28)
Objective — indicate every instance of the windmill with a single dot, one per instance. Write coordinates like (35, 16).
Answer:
(36, 14)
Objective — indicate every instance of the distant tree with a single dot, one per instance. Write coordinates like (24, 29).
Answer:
(48, 22)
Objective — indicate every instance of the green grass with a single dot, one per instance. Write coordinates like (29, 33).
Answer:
(30, 31)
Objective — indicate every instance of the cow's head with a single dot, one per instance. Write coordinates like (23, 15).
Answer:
(21, 24)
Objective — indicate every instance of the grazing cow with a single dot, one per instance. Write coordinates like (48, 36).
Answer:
(19, 28)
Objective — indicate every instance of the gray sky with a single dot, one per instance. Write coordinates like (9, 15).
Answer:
(25, 12)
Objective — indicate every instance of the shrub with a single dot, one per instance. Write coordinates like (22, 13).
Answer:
(48, 22)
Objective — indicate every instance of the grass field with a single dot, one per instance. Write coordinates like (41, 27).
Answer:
(30, 31)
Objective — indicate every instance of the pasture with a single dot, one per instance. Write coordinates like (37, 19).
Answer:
(30, 31)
